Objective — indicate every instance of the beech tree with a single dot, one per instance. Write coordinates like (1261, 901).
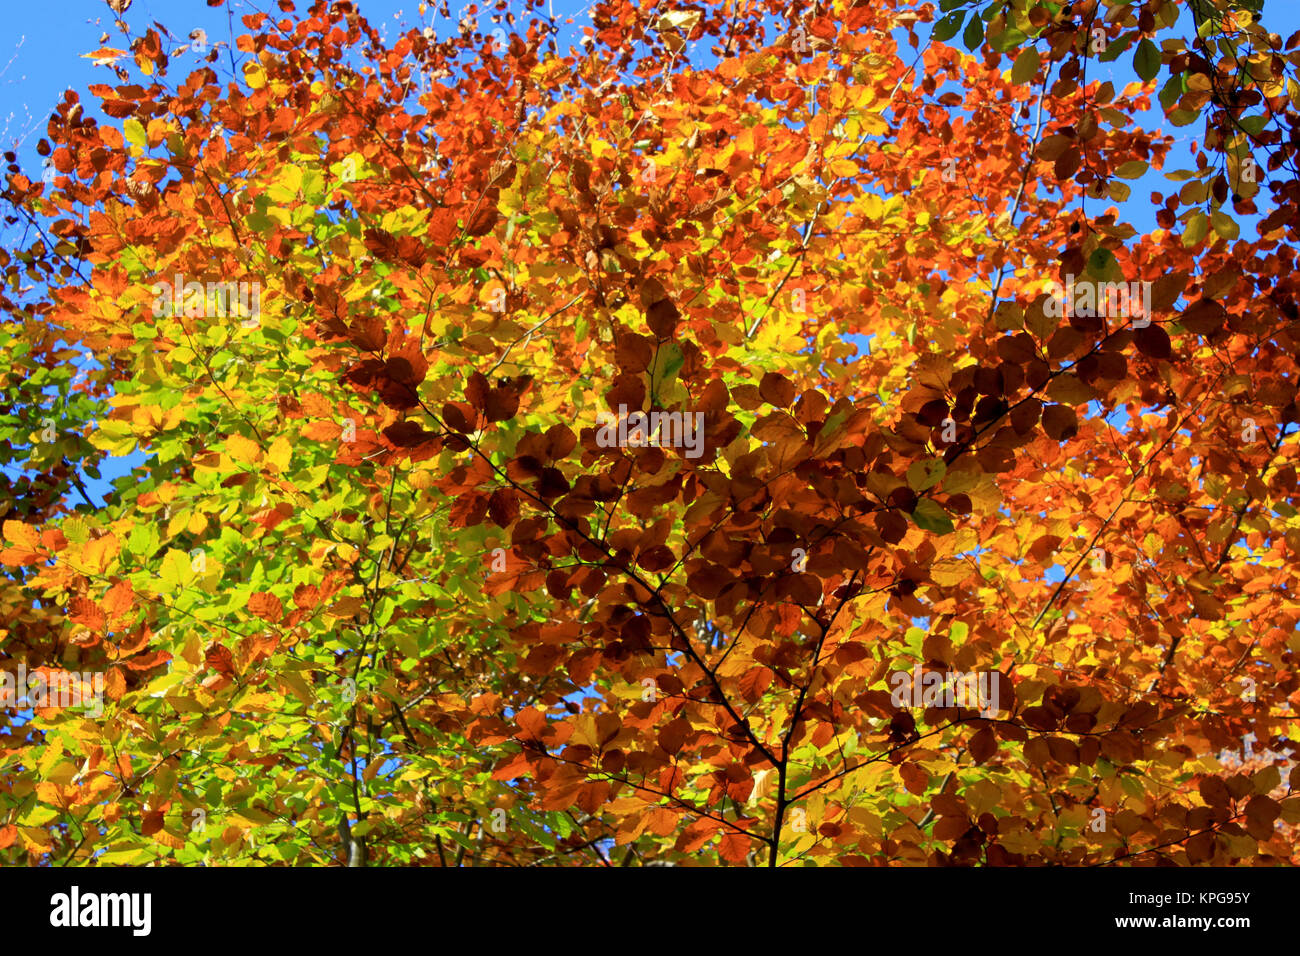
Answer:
(707, 433)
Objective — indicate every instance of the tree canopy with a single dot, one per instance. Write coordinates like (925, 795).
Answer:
(562, 451)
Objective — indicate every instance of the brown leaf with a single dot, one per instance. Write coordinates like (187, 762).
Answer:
(983, 745)
(662, 318)
(1204, 317)
(484, 219)
(915, 779)
(152, 822)
(266, 606)
(1152, 340)
(776, 389)
(672, 736)
(1060, 422)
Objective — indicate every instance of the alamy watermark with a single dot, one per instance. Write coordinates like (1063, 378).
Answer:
(208, 300)
(74, 909)
(653, 429)
(51, 689)
(1126, 300)
(977, 690)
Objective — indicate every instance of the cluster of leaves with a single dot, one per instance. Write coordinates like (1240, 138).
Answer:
(383, 592)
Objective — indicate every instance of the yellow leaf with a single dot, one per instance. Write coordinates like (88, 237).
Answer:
(279, 453)
(114, 437)
(178, 522)
(242, 449)
(35, 838)
(255, 76)
(950, 573)
(177, 570)
(683, 20)
(98, 553)
(22, 534)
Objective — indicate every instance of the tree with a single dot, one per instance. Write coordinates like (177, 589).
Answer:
(740, 437)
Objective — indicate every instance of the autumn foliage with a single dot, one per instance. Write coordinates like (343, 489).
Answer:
(383, 591)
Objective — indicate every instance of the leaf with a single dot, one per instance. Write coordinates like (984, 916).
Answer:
(266, 606)
(1196, 229)
(1153, 341)
(242, 449)
(133, 129)
(254, 75)
(1026, 66)
(1060, 422)
(776, 390)
(696, 835)
(23, 536)
(946, 28)
(1224, 225)
(915, 779)
(983, 745)
(930, 516)
(1133, 169)
(1146, 60)
(922, 475)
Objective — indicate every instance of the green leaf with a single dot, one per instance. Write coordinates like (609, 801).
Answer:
(1102, 265)
(1146, 60)
(913, 639)
(1254, 125)
(947, 28)
(668, 362)
(974, 34)
(133, 129)
(1196, 230)
(1117, 46)
(930, 516)
(1008, 39)
(1026, 67)
(176, 571)
(925, 474)
(128, 855)
(1174, 88)
(1224, 225)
